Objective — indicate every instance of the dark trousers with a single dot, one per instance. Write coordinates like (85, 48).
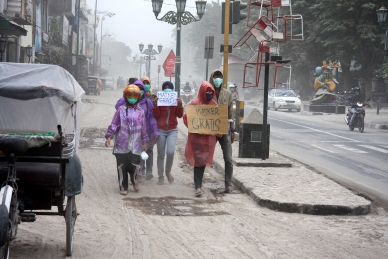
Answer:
(198, 176)
(127, 163)
(226, 146)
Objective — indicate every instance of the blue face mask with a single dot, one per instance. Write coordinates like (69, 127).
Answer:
(209, 96)
(132, 100)
(217, 82)
(147, 87)
(168, 90)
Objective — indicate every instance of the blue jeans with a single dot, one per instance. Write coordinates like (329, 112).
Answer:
(166, 146)
(226, 146)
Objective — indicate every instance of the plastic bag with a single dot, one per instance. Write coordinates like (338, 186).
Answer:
(144, 155)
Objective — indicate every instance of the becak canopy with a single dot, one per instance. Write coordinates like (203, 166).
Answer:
(35, 98)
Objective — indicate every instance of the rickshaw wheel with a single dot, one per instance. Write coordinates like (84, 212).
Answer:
(70, 216)
(4, 251)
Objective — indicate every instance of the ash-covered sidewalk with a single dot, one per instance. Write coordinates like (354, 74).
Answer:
(281, 184)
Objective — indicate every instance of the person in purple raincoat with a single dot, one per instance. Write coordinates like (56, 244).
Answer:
(128, 127)
(152, 131)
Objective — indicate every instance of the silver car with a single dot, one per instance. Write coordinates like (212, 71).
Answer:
(283, 99)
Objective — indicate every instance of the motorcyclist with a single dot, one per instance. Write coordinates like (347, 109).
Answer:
(353, 98)
(233, 90)
(187, 88)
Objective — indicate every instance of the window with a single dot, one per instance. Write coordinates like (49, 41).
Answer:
(255, 136)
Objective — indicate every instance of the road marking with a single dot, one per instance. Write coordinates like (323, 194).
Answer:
(355, 150)
(324, 149)
(375, 148)
(328, 133)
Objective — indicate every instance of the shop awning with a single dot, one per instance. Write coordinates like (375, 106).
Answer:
(7, 26)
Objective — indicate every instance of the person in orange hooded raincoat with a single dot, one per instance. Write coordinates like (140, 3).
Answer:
(200, 147)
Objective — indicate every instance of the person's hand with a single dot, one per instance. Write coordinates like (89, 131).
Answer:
(218, 135)
(145, 147)
(107, 142)
(155, 140)
(155, 102)
(179, 102)
(232, 137)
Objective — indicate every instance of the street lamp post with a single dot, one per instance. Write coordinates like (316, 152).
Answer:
(28, 52)
(181, 17)
(381, 19)
(150, 52)
(102, 20)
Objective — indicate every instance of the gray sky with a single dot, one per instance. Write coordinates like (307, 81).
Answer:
(135, 22)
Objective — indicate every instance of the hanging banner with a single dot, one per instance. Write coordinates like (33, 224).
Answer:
(207, 119)
(38, 28)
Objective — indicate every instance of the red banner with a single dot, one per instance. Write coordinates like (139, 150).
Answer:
(169, 65)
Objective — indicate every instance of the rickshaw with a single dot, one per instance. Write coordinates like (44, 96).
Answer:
(40, 106)
(94, 85)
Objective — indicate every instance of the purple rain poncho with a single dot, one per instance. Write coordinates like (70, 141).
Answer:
(129, 128)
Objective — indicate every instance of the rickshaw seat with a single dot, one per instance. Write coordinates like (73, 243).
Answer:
(34, 174)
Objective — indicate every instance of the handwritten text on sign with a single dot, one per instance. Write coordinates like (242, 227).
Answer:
(207, 119)
(167, 98)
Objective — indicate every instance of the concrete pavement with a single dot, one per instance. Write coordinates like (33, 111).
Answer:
(286, 185)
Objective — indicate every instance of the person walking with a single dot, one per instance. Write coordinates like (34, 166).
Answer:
(147, 86)
(145, 170)
(166, 117)
(128, 127)
(224, 97)
(199, 149)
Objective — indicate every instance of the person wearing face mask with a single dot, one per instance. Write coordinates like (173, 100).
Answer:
(166, 117)
(147, 86)
(199, 149)
(128, 127)
(152, 131)
(224, 97)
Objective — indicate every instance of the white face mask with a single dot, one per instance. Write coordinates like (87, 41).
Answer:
(217, 82)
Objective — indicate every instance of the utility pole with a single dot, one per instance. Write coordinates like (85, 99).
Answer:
(94, 42)
(226, 45)
(78, 31)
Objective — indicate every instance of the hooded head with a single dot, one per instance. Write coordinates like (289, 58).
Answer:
(141, 87)
(167, 85)
(216, 78)
(356, 90)
(147, 83)
(206, 92)
(132, 80)
(131, 94)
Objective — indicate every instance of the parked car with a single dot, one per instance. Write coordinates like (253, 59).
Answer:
(283, 99)
(108, 83)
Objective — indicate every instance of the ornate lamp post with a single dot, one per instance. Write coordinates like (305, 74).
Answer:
(151, 54)
(181, 17)
(382, 19)
(28, 52)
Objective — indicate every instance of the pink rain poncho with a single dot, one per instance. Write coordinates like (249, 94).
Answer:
(200, 147)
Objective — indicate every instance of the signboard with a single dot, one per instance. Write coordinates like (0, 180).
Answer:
(207, 119)
(167, 98)
(169, 65)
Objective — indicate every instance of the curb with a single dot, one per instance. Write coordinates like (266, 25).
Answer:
(311, 209)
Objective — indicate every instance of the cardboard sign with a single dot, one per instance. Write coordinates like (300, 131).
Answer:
(167, 98)
(207, 119)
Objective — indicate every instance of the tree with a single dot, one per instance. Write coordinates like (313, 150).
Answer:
(54, 49)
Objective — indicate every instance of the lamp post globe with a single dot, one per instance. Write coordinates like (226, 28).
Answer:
(382, 17)
(141, 47)
(160, 47)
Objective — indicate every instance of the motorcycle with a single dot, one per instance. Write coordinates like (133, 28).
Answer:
(186, 98)
(357, 119)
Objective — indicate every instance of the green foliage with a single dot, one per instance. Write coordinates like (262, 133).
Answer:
(54, 49)
(333, 30)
